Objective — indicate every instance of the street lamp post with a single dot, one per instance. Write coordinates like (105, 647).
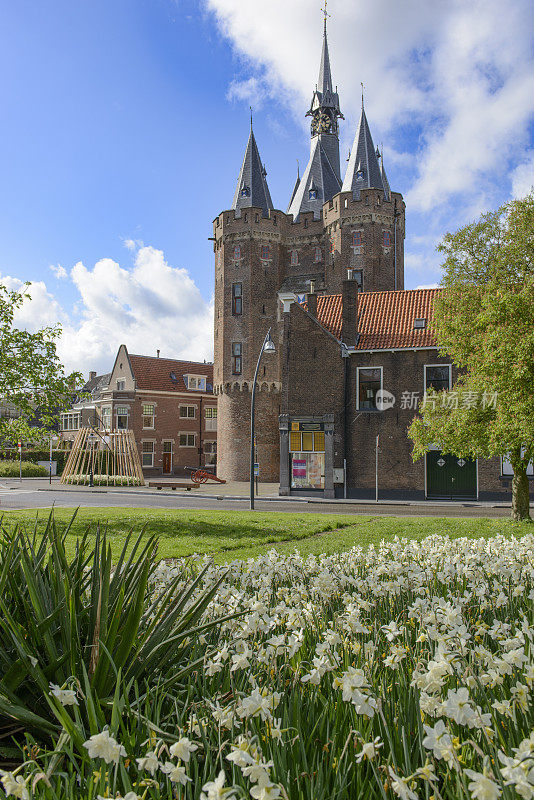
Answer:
(267, 347)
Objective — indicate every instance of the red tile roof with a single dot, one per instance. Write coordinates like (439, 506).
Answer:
(155, 373)
(385, 319)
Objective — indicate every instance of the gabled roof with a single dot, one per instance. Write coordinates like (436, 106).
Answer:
(319, 176)
(385, 319)
(252, 190)
(154, 373)
(96, 384)
(363, 170)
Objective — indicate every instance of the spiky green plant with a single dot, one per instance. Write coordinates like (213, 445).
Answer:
(88, 624)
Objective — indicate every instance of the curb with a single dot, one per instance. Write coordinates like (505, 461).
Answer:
(311, 501)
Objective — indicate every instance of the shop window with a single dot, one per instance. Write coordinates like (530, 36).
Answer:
(306, 450)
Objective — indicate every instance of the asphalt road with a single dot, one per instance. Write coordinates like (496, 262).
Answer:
(11, 499)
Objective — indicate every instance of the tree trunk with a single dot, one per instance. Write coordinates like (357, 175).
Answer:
(520, 495)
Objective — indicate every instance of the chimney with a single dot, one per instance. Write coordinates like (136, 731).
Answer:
(157, 351)
(312, 304)
(92, 375)
(349, 321)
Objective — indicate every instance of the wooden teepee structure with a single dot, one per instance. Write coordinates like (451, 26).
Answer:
(109, 455)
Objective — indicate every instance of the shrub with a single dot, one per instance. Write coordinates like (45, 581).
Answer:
(37, 455)
(11, 469)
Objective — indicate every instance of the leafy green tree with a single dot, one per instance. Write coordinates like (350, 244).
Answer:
(484, 321)
(32, 378)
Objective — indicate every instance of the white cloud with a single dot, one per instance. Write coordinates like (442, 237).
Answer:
(460, 74)
(151, 306)
(59, 272)
(252, 91)
(523, 177)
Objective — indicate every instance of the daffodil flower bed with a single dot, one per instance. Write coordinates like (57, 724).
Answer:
(404, 670)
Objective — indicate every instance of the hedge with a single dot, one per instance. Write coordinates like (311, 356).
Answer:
(11, 469)
(37, 455)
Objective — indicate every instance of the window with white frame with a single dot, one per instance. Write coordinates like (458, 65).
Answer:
(369, 384)
(147, 454)
(210, 452)
(149, 410)
(508, 470)
(70, 421)
(211, 418)
(121, 385)
(121, 415)
(188, 412)
(197, 382)
(187, 439)
(105, 417)
(437, 377)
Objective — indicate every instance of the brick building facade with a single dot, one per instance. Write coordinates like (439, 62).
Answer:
(169, 405)
(327, 278)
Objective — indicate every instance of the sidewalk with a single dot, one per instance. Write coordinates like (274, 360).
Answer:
(233, 490)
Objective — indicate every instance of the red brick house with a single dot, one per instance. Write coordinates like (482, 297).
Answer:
(168, 403)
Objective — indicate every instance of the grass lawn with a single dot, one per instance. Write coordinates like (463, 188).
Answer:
(244, 534)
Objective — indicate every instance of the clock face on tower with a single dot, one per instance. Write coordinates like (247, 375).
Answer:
(322, 123)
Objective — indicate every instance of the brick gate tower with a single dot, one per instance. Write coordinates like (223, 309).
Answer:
(333, 230)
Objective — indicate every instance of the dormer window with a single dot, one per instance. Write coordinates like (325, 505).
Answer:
(245, 191)
(359, 175)
(420, 323)
(312, 194)
(195, 382)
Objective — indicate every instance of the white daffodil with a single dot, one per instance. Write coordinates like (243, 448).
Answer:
(400, 787)
(149, 762)
(182, 749)
(216, 790)
(14, 785)
(175, 773)
(104, 746)
(67, 697)
(369, 750)
(481, 786)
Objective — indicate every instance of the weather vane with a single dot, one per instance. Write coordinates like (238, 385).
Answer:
(325, 12)
(363, 87)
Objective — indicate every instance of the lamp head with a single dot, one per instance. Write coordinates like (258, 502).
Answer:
(269, 345)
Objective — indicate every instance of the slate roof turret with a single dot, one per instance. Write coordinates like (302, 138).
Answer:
(252, 190)
(364, 170)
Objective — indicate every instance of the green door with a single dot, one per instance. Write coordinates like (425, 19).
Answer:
(450, 477)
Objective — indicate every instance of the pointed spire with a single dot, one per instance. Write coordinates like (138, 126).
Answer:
(252, 189)
(296, 186)
(318, 184)
(324, 84)
(363, 170)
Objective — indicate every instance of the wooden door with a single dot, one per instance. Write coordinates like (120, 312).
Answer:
(450, 477)
(167, 463)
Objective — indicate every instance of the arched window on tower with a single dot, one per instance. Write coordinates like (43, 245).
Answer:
(318, 254)
(294, 257)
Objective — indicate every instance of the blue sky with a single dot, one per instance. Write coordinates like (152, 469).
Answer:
(123, 125)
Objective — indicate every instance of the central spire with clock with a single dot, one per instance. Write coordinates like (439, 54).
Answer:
(321, 179)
